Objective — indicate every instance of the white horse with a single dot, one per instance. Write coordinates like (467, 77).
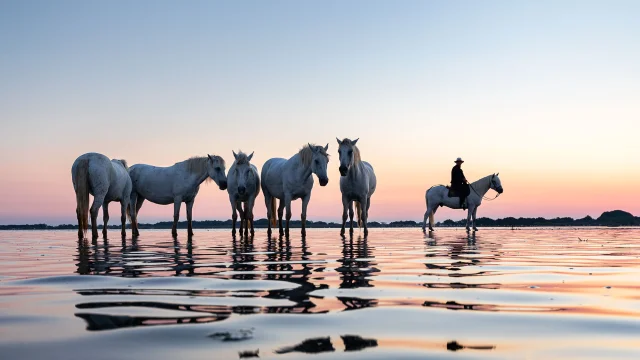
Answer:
(439, 196)
(243, 187)
(357, 183)
(291, 179)
(174, 185)
(107, 180)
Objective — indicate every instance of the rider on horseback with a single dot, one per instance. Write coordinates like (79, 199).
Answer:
(459, 183)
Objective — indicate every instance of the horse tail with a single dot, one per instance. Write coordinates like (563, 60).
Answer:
(273, 211)
(82, 194)
(426, 197)
(359, 212)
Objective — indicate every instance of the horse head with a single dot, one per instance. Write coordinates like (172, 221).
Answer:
(243, 171)
(496, 184)
(348, 153)
(319, 161)
(215, 169)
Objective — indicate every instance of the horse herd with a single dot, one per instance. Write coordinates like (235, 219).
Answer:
(280, 179)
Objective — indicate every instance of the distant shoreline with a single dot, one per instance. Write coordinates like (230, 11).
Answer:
(608, 219)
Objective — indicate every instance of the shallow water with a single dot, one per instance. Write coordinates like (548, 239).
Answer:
(534, 293)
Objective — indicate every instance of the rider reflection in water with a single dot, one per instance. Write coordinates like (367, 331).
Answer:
(459, 183)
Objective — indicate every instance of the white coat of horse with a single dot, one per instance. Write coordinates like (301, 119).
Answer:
(107, 180)
(174, 185)
(243, 187)
(438, 196)
(291, 179)
(357, 184)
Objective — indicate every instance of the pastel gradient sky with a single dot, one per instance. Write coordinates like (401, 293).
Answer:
(545, 92)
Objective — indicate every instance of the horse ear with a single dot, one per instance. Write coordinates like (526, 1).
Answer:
(234, 154)
(210, 158)
(355, 141)
(497, 174)
(326, 147)
(311, 147)
(339, 142)
(250, 156)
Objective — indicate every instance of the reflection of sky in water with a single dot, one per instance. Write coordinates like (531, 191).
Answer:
(495, 293)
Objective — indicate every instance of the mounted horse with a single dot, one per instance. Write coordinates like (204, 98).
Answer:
(291, 179)
(243, 187)
(174, 185)
(357, 184)
(107, 180)
(438, 196)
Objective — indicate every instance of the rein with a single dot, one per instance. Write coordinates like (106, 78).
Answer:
(482, 196)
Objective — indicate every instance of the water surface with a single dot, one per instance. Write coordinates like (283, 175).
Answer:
(533, 293)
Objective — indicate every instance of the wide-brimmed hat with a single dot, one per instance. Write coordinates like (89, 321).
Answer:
(459, 160)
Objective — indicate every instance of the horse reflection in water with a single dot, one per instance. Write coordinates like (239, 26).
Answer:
(356, 271)
(461, 252)
(324, 344)
(174, 257)
(279, 267)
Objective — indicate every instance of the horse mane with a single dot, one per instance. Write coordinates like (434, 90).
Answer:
(198, 164)
(124, 163)
(242, 158)
(356, 152)
(306, 153)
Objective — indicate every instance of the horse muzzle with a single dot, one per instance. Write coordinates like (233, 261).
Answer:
(223, 185)
(324, 181)
(343, 170)
(500, 190)
(241, 190)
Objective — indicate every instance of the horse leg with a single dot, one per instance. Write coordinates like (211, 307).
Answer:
(135, 205)
(345, 205)
(267, 201)
(475, 209)
(80, 230)
(234, 216)
(105, 218)
(433, 212)
(248, 208)
(241, 215)
(351, 218)
(245, 218)
(468, 219)
(176, 216)
(426, 218)
(287, 201)
(303, 216)
(281, 215)
(364, 205)
(98, 200)
(124, 204)
(190, 218)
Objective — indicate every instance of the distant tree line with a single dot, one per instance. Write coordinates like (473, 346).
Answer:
(609, 218)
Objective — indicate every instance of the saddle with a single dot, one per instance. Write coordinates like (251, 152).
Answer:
(454, 193)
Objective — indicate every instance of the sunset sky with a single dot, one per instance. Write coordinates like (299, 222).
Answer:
(545, 92)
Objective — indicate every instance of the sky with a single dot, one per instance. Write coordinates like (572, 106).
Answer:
(544, 92)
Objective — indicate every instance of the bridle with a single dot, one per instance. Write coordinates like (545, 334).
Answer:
(482, 196)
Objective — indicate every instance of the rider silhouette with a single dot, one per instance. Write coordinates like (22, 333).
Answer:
(459, 183)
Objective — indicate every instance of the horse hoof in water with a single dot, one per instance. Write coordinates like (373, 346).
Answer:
(475, 229)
